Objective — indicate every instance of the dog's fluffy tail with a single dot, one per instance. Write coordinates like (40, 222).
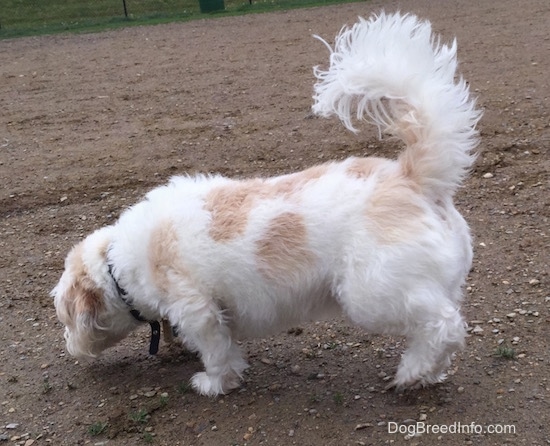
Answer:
(392, 70)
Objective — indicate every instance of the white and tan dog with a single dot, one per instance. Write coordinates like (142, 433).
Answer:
(375, 239)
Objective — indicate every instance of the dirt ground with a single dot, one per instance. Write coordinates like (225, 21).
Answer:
(89, 123)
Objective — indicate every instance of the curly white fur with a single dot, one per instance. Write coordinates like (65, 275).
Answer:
(376, 239)
(393, 70)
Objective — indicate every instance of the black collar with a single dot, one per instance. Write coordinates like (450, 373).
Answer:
(155, 326)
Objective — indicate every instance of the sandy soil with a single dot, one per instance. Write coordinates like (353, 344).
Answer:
(89, 123)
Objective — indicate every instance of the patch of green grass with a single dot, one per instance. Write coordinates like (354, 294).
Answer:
(148, 437)
(46, 386)
(34, 17)
(184, 387)
(138, 417)
(338, 398)
(314, 398)
(97, 428)
(506, 352)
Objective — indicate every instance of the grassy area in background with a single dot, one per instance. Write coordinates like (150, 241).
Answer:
(35, 17)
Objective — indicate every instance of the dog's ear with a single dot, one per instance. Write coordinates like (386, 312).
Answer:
(76, 295)
(80, 300)
(87, 298)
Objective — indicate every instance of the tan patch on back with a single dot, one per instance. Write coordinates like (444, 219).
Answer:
(164, 254)
(283, 250)
(393, 213)
(230, 205)
(290, 185)
(362, 168)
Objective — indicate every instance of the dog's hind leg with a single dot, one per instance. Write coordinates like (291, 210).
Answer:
(432, 344)
(424, 314)
(202, 326)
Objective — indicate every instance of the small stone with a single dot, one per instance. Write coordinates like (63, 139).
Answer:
(150, 394)
(362, 426)
(511, 315)
(291, 433)
(295, 369)
(266, 361)
(534, 282)
(12, 426)
(214, 428)
(477, 330)
(133, 397)
(488, 175)
(63, 198)
(423, 417)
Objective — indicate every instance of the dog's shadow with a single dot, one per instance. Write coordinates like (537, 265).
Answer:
(129, 370)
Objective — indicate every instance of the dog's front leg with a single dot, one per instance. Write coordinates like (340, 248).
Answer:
(203, 327)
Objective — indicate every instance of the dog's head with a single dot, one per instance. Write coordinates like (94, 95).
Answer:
(87, 302)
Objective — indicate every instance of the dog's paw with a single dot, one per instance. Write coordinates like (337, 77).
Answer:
(207, 385)
(400, 385)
